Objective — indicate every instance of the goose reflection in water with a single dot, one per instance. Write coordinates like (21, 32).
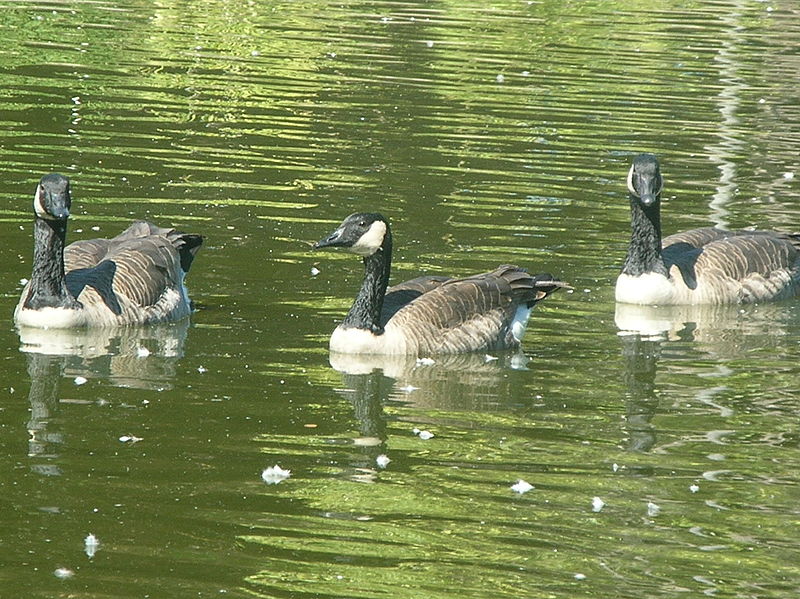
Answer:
(640, 357)
(451, 382)
(455, 382)
(139, 358)
(720, 333)
(722, 329)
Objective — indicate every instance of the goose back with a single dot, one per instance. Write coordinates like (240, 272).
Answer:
(484, 312)
(713, 266)
(472, 314)
(398, 296)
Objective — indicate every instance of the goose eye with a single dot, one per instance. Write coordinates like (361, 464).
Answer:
(362, 224)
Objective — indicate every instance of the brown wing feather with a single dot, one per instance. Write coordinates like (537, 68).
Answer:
(85, 254)
(146, 268)
(752, 265)
(401, 294)
(148, 260)
(470, 314)
(740, 255)
(697, 237)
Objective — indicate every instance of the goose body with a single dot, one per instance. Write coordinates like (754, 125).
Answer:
(134, 278)
(700, 266)
(429, 315)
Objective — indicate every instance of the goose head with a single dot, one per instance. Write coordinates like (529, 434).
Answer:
(644, 179)
(363, 233)
(52, 199)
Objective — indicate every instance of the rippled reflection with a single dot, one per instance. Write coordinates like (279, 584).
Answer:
(719, 328)
(449, 382)
(138, 357)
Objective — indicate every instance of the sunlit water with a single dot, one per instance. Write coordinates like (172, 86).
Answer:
(661, 445)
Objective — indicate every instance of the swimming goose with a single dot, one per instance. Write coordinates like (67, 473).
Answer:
(429, 315)
(134, 278)
(701, 266)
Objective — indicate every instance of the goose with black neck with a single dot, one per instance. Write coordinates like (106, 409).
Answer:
(134, 278)
(430, 314)
(701, 266)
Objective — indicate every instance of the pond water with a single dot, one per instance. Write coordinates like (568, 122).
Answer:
(663, 463)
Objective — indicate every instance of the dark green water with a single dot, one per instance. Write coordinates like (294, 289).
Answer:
(488, 133)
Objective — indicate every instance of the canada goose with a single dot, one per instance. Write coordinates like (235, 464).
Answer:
(701, 266)
(134, 278)
(429, 315)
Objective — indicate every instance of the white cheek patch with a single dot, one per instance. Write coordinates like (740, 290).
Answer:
(630, 182)
(38, 206)
(370, 242)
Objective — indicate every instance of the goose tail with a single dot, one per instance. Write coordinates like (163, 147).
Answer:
(188, 244)
(545, 284)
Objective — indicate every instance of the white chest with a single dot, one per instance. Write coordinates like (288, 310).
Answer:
(520, 322)
(649, 288)
(360, 341)
(49, 318)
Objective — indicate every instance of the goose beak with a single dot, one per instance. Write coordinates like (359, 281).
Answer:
(52, 200)
(647, 197)
(332, 240)
(51, 205)
(60, 213)
(647, 186)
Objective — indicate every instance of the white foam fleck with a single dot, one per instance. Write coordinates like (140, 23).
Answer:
(521, 486)
(91, 544)
(63, 573)
(275, 474)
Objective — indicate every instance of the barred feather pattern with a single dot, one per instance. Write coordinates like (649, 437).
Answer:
(453, 315)
(701, 266)
(712, 266)
(133, 278)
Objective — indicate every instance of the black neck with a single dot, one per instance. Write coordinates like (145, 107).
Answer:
(365, 313)
(48, 288)
(644, 251)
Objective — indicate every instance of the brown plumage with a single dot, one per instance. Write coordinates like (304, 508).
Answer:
(430, 315)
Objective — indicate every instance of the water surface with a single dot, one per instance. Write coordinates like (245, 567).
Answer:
(661, 445)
